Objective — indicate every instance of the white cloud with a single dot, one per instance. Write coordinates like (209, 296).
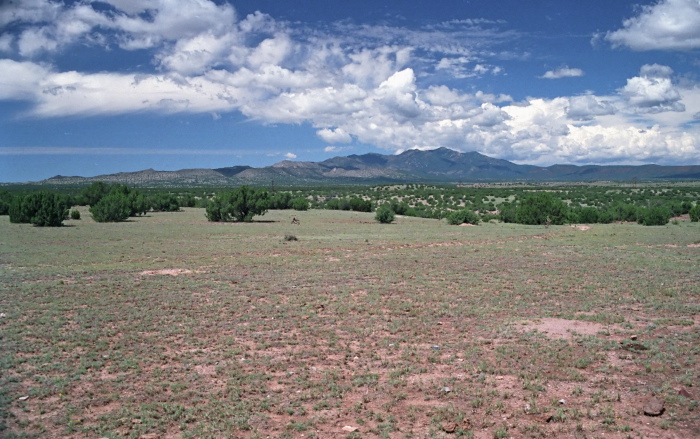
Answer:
(337, 135)
(210, 62)
(396, 114)
(198, 54)
(170, 20)
(6, 41)
(652, 91)
(20, 80)
(336, 148)
(272, 51)
(666, 25)
(138, 24)
(29, 11)
(588, 107)
(290, 156)
(563, 72)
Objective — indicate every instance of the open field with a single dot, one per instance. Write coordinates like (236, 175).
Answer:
(169, 326)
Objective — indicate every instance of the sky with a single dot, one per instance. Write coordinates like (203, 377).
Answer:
(97, 87)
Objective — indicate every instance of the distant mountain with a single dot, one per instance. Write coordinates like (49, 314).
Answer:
(440, 165)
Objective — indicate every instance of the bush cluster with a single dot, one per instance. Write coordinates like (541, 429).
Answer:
(385, 214)
(695, 213)
(42, 209)
(541, 209)
(118, 202)
(239, 205)
(548, 204)
(464, 216)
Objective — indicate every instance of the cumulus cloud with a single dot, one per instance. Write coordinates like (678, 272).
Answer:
(563, 72)
(652, 91)
(361, 84)
(588, 107)
(666, 25)
(290, 156)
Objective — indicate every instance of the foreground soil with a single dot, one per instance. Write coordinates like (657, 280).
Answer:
(169, 326)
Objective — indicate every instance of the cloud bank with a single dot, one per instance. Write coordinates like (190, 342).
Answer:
(350, 82)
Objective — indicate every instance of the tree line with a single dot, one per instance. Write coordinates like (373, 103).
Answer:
(523, 205)
(108, 203)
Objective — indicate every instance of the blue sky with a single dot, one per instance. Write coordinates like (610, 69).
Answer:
(98, 87)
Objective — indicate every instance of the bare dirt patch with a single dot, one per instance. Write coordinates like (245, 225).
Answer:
(563, 328)
(166, 272)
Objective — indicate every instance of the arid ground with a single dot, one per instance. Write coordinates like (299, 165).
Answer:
(169, 326)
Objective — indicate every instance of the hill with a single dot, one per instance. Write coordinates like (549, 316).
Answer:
(440, 165)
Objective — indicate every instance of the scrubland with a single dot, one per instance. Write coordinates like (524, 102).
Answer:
(170, 326)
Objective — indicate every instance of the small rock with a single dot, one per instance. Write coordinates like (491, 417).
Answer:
(635, 347)
(446, 389)
(350, 429)
(654, 407)
(684, 392)
(633, 337)
(136, 421)
(23, 398)
(3, 315)
(449, 427)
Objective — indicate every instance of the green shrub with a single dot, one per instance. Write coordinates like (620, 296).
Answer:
(5, 200)
(281, 200)
(18, 213)
(400, 208)
(159, 203)
(508, 214)
(92, 194)
(384, 214)
(239, 205)
(585, 215)
(654, 216)
(300, 204)
(112, 208)
(686, 206)
(541, 208)
(360, 205)
(75, 214)
(464, 216)
(42, 209)
(695, 213)
(625, 212)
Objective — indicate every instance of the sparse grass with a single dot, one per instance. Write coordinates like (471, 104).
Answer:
(171, 326)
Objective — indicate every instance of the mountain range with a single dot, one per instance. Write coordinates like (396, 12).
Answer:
(440, 165)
